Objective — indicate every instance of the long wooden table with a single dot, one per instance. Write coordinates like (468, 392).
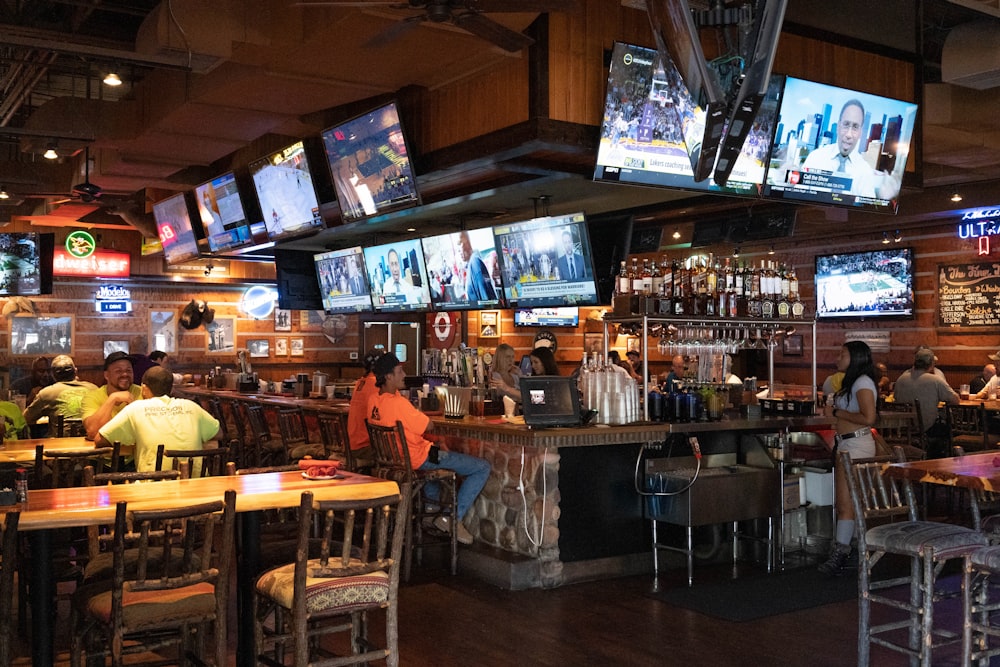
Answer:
(23, 451)
(979, 472)
(50, 509)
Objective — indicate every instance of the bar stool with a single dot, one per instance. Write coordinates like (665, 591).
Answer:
(333, 432)
(263, 450)
(295, 435)
(927, 545)
(980, 567)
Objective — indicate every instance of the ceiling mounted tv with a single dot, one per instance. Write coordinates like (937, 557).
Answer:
(173, 224)
(397, 277)
(295, 279)
(648, 117)
(284, 185)
(463, 271)
(839, 147)
(26, 263)
(868, 284)
(343, 281)
(547, 317)
(223, 217)
(370, 164)
(547, 262)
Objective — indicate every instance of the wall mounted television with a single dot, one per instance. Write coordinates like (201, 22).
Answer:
(343, 281)
(295, 279)
(462, 270)
(174, 225)
(222, 215)
(547, 262)
(568, 316)
(26, 263)
(868, 284)
(283, 181)
(652, 127)
(816, 124)
(397, 276)
(370, 164)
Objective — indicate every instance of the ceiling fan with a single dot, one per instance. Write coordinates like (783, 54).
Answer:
(86, 191)
(467, 15)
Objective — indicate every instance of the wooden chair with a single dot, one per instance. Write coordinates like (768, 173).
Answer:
(8, 562)
(928, 546)
(176, 606)
(333, 433)
(356, 571)
(66, 428)
(57, 469)
(226, 436)
(295, 435)
(968, 427)
(233, 414)
(206, 462)
(264, 451)
(901, 426)
(392, 461)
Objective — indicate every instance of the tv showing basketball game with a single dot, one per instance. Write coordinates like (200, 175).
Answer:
(869, 284)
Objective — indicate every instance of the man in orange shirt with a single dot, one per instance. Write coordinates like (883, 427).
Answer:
(357, 432)
(389, 406)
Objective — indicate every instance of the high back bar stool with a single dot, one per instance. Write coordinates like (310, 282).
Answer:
(333, 432)
(928, 546)
(294, 434)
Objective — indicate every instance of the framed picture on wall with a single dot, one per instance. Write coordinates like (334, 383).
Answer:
(163, 330)
(259, 347)
(311, 320)
(489, 324)
(281, 347)
(298, 347)
(221, 335)
(282, 319)
(41, 336)
(115, 346)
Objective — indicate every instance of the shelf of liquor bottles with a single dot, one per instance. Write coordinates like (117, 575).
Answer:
(703, 286)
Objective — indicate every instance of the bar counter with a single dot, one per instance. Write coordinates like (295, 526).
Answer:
(561, 504)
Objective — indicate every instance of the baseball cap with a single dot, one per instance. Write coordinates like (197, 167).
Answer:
(372, 356)
(116, 356)
(632, 353)
(924, 355)
(385, 365)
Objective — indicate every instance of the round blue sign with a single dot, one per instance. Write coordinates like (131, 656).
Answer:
(258, 301)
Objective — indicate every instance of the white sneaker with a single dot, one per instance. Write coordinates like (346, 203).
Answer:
(443, 523)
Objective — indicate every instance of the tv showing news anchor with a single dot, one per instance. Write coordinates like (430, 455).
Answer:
(839, 147)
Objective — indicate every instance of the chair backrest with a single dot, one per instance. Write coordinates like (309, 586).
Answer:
(392, 456)
(8, 563)
(979, 499)
(292, 426)
(333, 432)
(207, 462)
(902, 427)
(57, 469)
(875, 496)
(214, 407)
(968, 422)
(63, 427)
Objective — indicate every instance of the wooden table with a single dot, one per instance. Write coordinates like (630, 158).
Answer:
(979, 472)
(50, 509)
(23, 451)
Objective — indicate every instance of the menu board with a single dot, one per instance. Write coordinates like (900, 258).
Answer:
(969, 295)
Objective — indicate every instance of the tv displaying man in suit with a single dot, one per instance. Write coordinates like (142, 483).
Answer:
(570, 263)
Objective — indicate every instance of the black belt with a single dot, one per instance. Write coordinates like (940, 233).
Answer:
(853, 434)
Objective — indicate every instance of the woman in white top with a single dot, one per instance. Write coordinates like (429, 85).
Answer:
(853, 407)
(505, 376)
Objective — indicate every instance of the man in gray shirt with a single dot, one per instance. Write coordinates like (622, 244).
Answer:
(63, 397)
(923, 384)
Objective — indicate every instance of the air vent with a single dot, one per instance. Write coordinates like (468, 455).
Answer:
(970, 57)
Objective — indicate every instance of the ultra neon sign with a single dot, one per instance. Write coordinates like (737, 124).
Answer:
(980, 224)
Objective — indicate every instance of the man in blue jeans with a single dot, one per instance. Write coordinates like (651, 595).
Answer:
(389, 406)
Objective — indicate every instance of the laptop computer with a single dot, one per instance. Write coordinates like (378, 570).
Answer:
(550, 400)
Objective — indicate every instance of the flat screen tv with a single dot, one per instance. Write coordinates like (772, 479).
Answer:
(223, 218)
(26, 263)
(173, 224)
(868, 284)
(284, 185)
(295, 278)
(546, 262)
(397, 277)
(839, 147)
(370, 164)
(649, 117)
(567, 316)
(343, 281)
(462, 270)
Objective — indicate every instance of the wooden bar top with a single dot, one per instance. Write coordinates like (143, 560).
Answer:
(972, 471)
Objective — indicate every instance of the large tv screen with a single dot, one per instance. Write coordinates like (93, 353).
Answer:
(397, 276)
(650, 121)
(463, 271)
(869, 284)
(567, 316)
(370, 164)
(343, 281)
(223, 218)
(26, 263)
(295, 279)
(546, 262)
(839, 147)
(284, 185)
(173, 224)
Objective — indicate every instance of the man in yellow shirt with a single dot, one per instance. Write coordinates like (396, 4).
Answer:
(100, 405)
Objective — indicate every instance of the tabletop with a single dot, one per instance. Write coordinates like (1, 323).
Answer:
(972, 471)
(23, 451)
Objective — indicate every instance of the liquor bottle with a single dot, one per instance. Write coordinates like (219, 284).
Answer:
(623, 285)
(680, 288)
(656, 288)
(767, 301)
(636, 276)
(647, 278)
(667, 288)
(753, 304)
(711, 286)
(798, 308)
(699, 280)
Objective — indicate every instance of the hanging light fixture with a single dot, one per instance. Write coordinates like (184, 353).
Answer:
(956, 196)
(112, 79)
(898, 237)
(770, 251)
(736, 251)
(677, 233)
(3, 192)
(50, 152)
(885, 238)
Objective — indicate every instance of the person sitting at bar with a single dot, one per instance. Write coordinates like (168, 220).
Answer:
(884, 384)
(357, 432)
(543, 362)
(158, 419)
(624, 367)
(978, 383)
(100, 405)
(64, 397)
(389, 406)
(143, 362)
(505, 375)
(676, 374)
(635, 360)
(922, 384)
(32, 383)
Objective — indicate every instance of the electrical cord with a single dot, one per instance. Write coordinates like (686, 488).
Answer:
(535, 541)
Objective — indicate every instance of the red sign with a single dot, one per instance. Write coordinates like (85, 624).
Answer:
(102, 264)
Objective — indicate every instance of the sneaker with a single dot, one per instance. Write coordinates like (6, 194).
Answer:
(443, 523)
(836, 563)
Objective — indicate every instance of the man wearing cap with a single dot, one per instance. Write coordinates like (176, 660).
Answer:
(100, 405)
(923, 384)
(159, 419)
(357, 432)
(63, 397)
(389, 406)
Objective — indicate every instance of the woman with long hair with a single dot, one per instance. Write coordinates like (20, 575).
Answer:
(505, 376)
(543, 362)
(853, 408)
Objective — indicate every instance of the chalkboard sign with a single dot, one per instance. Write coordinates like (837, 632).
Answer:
(969, 295)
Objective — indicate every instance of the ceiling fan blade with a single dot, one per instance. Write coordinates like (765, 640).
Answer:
(394, 32)
(498, 6)
(491, 31)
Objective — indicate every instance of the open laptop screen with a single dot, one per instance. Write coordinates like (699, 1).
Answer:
(550, 400)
